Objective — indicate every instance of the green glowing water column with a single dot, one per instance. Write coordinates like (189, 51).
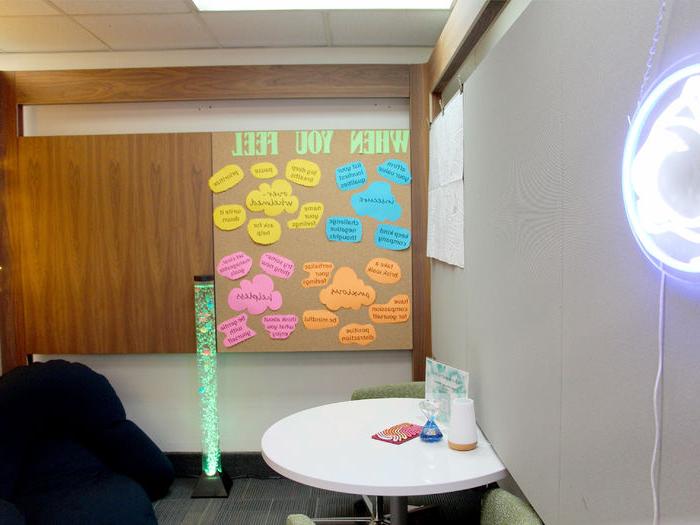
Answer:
(213, 482)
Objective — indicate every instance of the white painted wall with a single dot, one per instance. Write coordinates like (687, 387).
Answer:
(255, 390)
(555, 313)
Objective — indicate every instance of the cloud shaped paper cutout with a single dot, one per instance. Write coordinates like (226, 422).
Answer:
(377, 202)
(347, 291)
(256, 296)
(273, 199)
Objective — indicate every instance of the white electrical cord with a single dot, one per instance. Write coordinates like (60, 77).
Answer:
(658, 399)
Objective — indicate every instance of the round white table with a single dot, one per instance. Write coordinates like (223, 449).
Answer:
(330, 447)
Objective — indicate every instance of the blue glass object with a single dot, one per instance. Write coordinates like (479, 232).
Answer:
(431, 432)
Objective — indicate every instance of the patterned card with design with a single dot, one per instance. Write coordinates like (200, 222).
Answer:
(398, 434)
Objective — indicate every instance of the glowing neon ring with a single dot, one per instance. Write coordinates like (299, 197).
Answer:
(663, 232)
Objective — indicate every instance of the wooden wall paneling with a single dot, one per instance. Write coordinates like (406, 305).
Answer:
(114, 228)
(212, 83)
(11, 347)
(419, 115)
(466, 24)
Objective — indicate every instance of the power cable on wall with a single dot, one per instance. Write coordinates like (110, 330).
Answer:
(658, 383)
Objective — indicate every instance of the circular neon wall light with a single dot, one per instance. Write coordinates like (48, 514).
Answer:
(661, 174)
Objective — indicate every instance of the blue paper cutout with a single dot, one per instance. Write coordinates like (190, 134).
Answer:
(350, 176)
(377, 202)
(343, 229)
(395, 170)
(392, 237)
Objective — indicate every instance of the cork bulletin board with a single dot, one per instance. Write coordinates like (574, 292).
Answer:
(312, 240)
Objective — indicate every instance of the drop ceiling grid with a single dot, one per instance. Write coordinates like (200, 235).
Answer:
(129, 25)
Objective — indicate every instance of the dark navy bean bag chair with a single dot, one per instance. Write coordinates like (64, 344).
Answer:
(68, 455)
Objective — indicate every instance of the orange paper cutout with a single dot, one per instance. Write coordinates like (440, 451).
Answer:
(357, 334)
(319, 319)
(397, 310)
(383, 270)
(347, 291)
(319, 273)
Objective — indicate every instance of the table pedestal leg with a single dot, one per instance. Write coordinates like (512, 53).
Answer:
(398, 506)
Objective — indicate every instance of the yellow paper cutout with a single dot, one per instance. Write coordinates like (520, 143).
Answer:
(229, 216)
(319, 273)
(357, 334)
(383, 270)
(264, 170)
(303, 172)
(226, 178)
(397, 310)
(273, 199)
(319, 319)
(309, 216)
(264, 231)
(347, 291)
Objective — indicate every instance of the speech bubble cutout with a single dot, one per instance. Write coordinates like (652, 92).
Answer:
(273, 199)
(319, 319)
(383, 270)
(343, 229)
(350, 176)
(256, 296)
(226, 178)
(236, 330)
(377, 202)
(392, 237)
(264, 170)
(319, 273)
(397, 310)
(229, 216)
(309, 216)
(347, 291)
(395, 170)
(264, 231)
(276, 265)
(280, 326)
(357, 334)
(234, 266)
(303, 172)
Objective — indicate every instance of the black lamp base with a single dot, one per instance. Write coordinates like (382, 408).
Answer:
(216, 486)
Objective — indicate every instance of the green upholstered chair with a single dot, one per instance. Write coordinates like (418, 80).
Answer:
(299, 519)
(500, 507)
(415, 389)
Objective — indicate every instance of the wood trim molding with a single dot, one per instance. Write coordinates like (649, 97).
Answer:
(11, 348)
(419, 113)
(468, 21)
(212, 83)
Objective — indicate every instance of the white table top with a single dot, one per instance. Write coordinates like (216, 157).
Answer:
(330, 447)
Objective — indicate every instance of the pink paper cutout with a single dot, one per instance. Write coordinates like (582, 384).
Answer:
(235, 266)
(256, 296)
(236, 330)
(280, 326)
(276, 265)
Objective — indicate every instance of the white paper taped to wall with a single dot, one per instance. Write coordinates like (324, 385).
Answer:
(446, 185)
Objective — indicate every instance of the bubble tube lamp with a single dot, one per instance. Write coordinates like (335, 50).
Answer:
(213, 482)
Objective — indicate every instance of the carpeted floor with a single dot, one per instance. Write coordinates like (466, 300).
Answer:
(269, 501)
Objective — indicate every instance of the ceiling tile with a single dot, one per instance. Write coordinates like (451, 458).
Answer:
(386, 28)
(25, 8)
(121, 7)
(123, 32)
(267, 29)
(31, 34)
